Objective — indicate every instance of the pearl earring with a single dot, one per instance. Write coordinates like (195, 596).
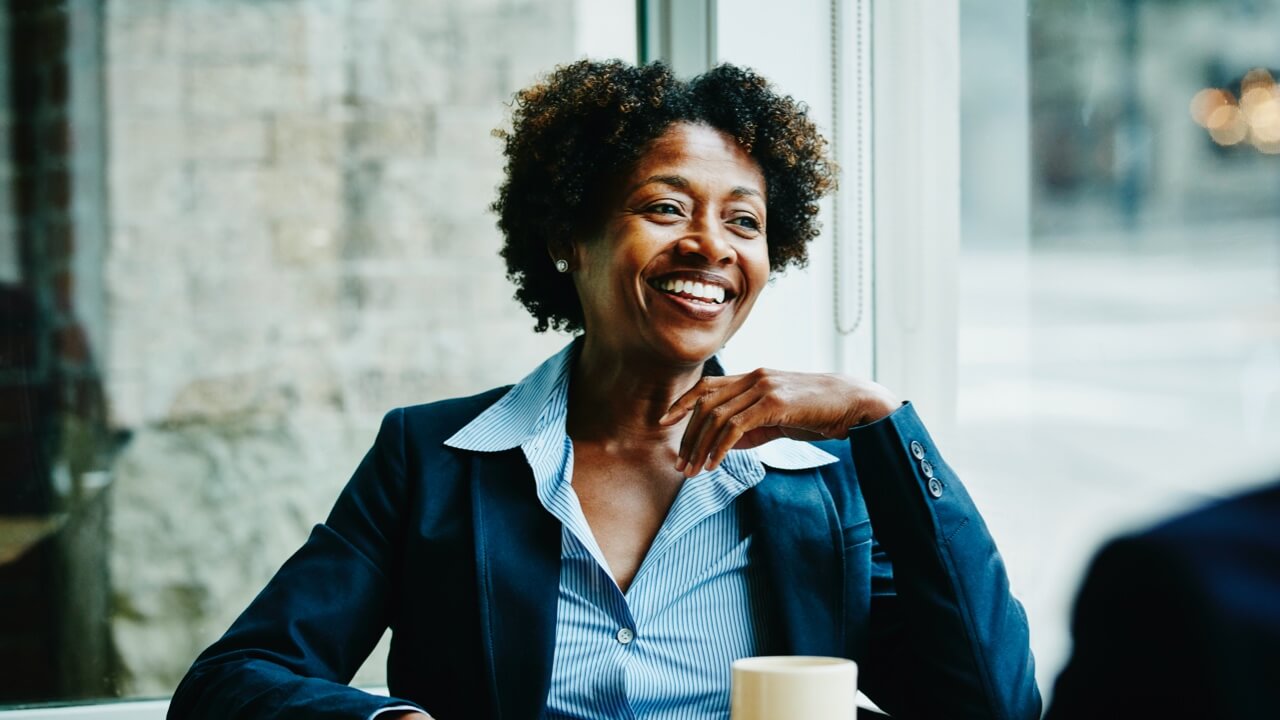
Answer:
(562, 265)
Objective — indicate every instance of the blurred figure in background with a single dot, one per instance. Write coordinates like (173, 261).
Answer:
(1182, 620)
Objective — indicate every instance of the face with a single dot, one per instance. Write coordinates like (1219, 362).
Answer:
(682, 254)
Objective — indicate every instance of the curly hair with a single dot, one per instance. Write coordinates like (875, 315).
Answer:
(588, 123)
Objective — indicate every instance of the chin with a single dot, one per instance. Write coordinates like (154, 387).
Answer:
(690, 346)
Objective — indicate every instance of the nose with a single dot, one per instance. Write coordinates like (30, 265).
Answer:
(709, 239)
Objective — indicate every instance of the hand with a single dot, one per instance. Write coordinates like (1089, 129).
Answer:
(743, 411)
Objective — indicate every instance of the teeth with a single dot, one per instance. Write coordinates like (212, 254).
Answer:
(712, 293)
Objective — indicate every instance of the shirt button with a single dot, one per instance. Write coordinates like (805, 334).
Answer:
(935, 487)
(625, 636)
(917, 449)
(926, 467)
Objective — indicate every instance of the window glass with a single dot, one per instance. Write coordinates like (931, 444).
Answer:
(1119, 318)
(232, 236)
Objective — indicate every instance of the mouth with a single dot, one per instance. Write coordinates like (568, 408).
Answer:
(698, 288)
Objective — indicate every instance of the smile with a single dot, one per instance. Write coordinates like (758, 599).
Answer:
(691, 290)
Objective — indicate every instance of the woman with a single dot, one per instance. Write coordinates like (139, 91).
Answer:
(604, 538)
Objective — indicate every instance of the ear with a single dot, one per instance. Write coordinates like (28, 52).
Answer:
(567, 250)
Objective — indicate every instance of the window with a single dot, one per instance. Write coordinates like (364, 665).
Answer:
(233, 235)
(1119, 273)
(1070, 214)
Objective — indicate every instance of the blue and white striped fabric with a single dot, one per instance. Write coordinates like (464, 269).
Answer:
(662, 650)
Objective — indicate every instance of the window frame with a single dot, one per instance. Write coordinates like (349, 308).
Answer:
(888, 96)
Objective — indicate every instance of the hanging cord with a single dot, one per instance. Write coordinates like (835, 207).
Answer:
(837, 237)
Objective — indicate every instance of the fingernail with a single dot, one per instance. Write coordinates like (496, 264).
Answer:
(680, 464)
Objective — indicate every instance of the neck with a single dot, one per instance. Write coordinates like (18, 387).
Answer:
(616, 398)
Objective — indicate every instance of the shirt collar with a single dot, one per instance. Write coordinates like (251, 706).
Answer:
(516, 416)
(520, 414)
(788, 454)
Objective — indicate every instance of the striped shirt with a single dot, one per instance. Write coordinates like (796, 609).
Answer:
(662, 649)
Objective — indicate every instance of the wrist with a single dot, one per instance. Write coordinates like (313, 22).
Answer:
(872, 402)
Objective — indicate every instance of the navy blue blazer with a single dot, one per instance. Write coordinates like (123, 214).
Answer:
(452, 550)
(1182, 621)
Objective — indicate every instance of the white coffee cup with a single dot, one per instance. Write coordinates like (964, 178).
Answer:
(794, 688)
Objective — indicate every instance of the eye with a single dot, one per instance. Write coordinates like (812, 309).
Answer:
(746, 221)
(664, 208)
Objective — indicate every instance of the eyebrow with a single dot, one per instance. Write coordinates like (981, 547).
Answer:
(677, 181)
(673, 180)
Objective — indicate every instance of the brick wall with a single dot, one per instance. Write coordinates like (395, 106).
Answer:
(299, 241)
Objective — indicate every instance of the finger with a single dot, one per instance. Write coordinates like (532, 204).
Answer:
(739, 386)
(710, 385)
(754, 417)
(703, 396)
(711, 396)
(726, 414)
(687, 402)
(690, 437)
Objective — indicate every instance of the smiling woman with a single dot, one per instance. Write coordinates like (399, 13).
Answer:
(682, 254)
(576, 139)
(604, 538)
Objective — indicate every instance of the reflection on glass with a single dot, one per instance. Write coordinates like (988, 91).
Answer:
(1255, 118)
(1120, 282)
(232, 235)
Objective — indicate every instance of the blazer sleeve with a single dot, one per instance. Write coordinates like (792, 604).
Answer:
(293, 651)
(947, 638)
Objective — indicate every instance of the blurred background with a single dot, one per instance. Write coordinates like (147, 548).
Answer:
(234, 233)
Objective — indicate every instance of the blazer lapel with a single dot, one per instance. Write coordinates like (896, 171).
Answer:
(800, 543)
(518, 569)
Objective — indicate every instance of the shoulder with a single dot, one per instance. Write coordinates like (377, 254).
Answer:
(1189, 597)
(1245, 520)
(1239, 525)
(430, 424)
(1205, 555)
(1221, 546)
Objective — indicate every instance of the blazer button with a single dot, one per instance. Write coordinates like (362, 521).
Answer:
(917, 449)
(926, 467)
(935, 487)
